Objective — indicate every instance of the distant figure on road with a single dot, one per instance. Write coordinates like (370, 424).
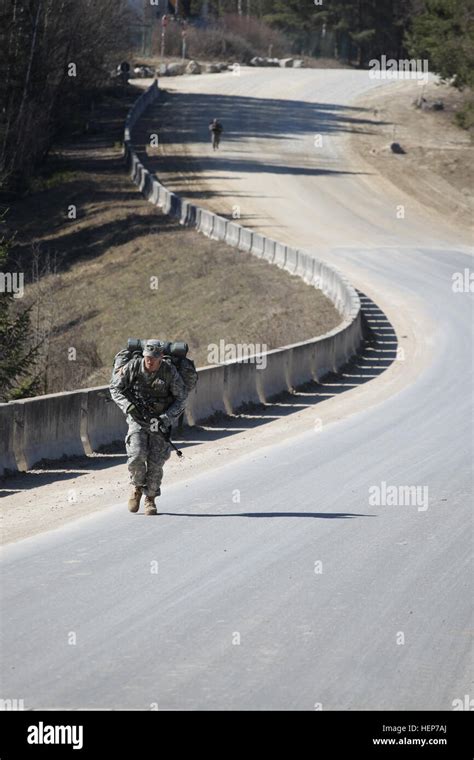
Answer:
(123, 72)
(216, 129)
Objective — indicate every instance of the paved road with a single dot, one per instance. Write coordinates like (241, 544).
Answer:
(284, 580)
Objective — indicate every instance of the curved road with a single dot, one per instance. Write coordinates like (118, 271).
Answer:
(288, 579)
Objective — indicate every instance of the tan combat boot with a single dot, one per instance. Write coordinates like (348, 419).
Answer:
(134, 500)
(150, 508)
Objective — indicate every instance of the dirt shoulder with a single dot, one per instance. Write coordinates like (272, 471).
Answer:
(438, 166)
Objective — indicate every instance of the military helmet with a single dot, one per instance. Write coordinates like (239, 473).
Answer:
(155, 348)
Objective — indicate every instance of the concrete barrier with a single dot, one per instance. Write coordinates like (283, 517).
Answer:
(333, 287)
(280, 255)
(207, 398)
(171, 204)
(240, 385)
(103, 422)
(219, 229)
(139, 170)
(275, 377)
(155, 192)
(258, 245)
(166, 201)
(302, 259)
(232, 235)
(291, 260)
(306, 267)
(303, 366)
(7, 453)
(206, 223)
(162, 196)
(133, 163)
(245, 240)
(147, 185)
(139, 175)
(269, 250)
(325, 357)
(198, 217)
(51, 427)
(188, 214)
(174, 208)
(316, 281)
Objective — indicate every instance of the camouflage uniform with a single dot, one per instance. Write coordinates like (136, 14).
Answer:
(147, 451)
(216, 129)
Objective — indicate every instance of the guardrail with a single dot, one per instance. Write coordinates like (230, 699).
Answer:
(81, 422)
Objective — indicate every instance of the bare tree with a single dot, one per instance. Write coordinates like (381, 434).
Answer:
(53, 54)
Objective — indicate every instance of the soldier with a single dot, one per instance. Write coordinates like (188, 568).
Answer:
(158, 384)
(216, 129)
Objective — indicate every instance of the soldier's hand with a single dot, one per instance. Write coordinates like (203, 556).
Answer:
(165, 423)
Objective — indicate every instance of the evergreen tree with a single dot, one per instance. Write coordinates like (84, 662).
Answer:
(18, 375)
(444, 34)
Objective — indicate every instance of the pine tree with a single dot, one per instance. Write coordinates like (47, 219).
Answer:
(18, 375)
(444, 34)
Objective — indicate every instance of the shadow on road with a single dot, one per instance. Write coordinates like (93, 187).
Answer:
(244, 118)
(322, 515)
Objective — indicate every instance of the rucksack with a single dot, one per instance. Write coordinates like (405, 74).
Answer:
(175, 353)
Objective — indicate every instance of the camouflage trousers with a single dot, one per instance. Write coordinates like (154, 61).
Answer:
(147, 453)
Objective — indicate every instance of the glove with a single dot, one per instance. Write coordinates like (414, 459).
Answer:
(133, 411)
(165, 423)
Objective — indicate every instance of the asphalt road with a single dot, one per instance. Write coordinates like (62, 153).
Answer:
(285, 580)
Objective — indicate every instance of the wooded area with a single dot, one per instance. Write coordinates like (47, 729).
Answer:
(359, 30)
(53, 55)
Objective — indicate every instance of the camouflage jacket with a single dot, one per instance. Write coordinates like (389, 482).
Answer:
(164, 390)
